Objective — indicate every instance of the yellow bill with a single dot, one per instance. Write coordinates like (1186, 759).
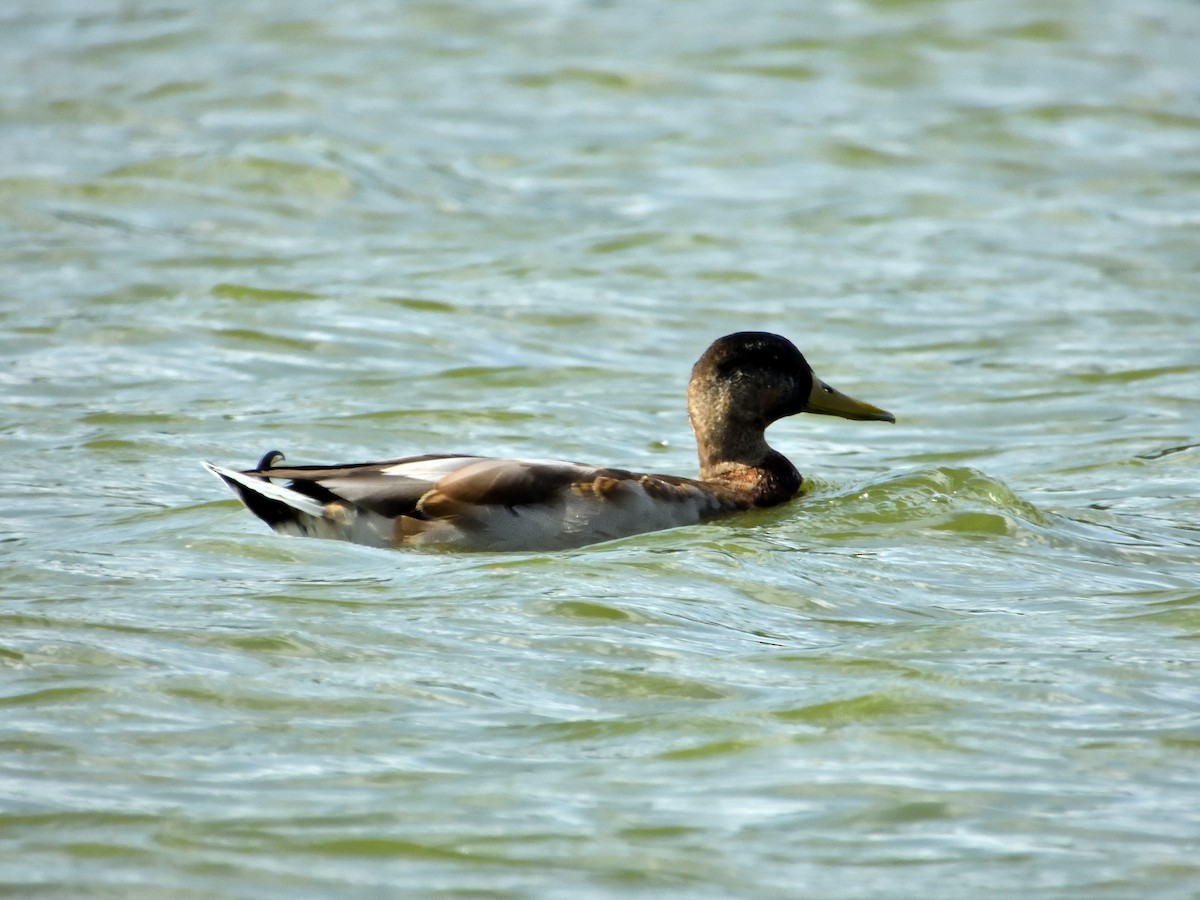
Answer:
(827, 401)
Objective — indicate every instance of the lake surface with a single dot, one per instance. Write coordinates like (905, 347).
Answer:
(966, 662)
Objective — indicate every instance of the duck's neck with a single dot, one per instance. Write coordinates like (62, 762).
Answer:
(741, 461)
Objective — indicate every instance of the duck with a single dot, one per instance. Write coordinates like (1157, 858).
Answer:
(740, 385)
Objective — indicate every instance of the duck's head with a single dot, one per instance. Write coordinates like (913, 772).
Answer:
(746, 381)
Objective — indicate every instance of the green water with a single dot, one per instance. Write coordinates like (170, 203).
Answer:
(965, 663)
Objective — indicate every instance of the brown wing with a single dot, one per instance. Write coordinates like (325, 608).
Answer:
(499, 482)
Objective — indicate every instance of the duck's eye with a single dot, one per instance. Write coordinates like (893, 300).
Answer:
(826, 388)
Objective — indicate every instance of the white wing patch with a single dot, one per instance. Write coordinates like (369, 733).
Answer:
(430, 470)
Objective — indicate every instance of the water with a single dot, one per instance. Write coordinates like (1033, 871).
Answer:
(966, 662)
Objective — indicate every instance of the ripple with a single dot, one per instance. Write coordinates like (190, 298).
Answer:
(947, 498)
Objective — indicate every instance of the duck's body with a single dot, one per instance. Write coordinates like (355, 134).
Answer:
(742, 384)
(473, 502)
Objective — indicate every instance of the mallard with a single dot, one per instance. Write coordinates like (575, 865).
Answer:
(742, 383)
